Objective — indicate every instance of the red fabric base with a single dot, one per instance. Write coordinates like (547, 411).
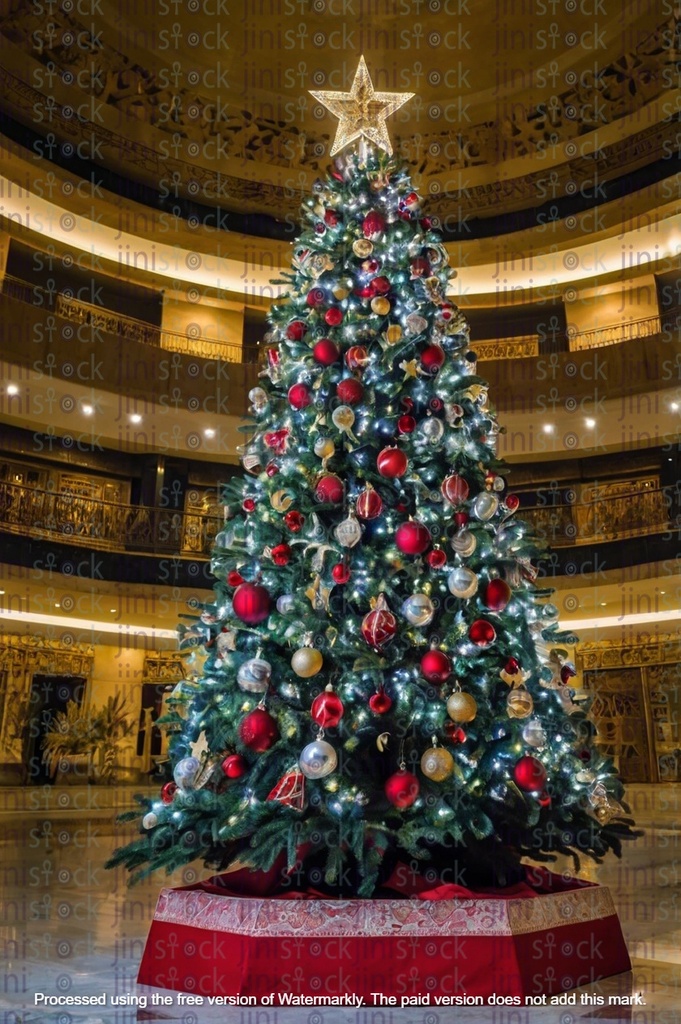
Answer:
(536, 959)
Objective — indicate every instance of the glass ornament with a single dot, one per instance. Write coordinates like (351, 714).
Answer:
(519, 703)
(485, 505)
(349, 532)
(185, 772)
(254, 675)
(318, 759)
(462, 582)
(418, 609)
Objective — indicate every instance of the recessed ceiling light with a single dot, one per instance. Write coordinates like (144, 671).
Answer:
(12, 389)
(590, 423)
(548, 428)
(209, 432)
(663, 591)
(674, 405)
(57, 605)
(112, 610)
(135, 417)
(2, 591)
(87, 410)
(603, 604)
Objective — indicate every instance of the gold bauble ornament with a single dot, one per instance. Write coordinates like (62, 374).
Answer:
(519, 703)
(380, 305)
(437, 764)
(282, 500)
(324, 447)
(393, 334)
(340, 293)
(306, 662)
(362, 247)
(461, 707)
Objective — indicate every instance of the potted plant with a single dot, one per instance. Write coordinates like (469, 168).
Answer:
(78, 734)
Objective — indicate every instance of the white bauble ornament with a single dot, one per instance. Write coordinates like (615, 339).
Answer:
(430, 431)
(286, 604)
(150, 820)
(258, 398)
(485, 505)
(254, 675)
(349, 532)
(464, 543)
(519, 703)
(318, 759)
(533, 734)
(186, 771)
(324, 447)
(343, 417)
(418, 609)
(462, 582)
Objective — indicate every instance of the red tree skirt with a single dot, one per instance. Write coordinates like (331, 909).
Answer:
(543, 936)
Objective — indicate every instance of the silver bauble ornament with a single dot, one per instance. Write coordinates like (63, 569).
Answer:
(418, 609)
(150, 820)
(485, 505)
(186, 771)
(258, 398)
(254, 675)
(462, 582)
(318, 759)
(464, 543)
(533, 734)
(430, 431)
(519, 703)
(349, 532)
(285, 604)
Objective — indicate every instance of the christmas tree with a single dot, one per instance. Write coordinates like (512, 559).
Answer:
(385, 682)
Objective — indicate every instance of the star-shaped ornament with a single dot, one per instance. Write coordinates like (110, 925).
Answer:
(362, 111)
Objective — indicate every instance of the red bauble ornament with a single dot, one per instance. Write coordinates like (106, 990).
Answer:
(325, 352)
(461, 518)
(330, 218)
(248, 505)
(365, 291)
(436, 667)
(369, 504)
(277, 440)
(420, 267)
(544, 800)
(294, 520)
(529, 774)
(482, 633)
(299, 396)
(271, 469)
(340, 573)
(281, 554)
(168, 792)
(455, 489)
(511, 501)
(432, 358)
(380, 703)
(258, 730)
(392, 463)
(329, 490)
(406, 424)
(334, 316)
(296, 330)
(350, 391)
(357, 357)
(512, 666)
(251, 603)
(436, 558)
(567, 673)
(402, 789)
(373, 224)
(454, 733)
(380, 625)
(316, 297)
(327, 708)
(412, 199)
(381, 285)
(412, 538)
(234, 578)
(234, 766)
(497, 594)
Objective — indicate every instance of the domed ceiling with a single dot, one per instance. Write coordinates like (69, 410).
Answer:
(195, 105)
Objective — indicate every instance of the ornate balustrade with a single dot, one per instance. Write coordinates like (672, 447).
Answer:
(614, 334)
(107, 525)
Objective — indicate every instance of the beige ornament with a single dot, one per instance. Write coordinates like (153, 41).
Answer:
(461, 707)
(307, 662)
(362, 247)
(519, 703)
(380, 306)
(393, 334)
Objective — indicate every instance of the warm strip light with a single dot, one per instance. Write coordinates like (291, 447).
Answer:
(633, 249)
(622, 620)
(66, 622)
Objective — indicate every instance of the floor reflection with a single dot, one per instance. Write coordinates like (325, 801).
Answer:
(70, 927)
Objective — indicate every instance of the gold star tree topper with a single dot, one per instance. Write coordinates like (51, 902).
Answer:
(362, 111)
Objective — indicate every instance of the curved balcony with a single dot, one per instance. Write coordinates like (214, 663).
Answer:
(640, 509)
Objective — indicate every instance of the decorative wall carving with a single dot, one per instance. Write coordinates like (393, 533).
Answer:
(187, 118)
(614, 654)
(507, 348)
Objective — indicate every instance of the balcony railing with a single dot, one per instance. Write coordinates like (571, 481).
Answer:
(614, 334)
(107, 525)
(121, 325)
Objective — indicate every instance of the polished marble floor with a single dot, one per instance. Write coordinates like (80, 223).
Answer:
(69, 926)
